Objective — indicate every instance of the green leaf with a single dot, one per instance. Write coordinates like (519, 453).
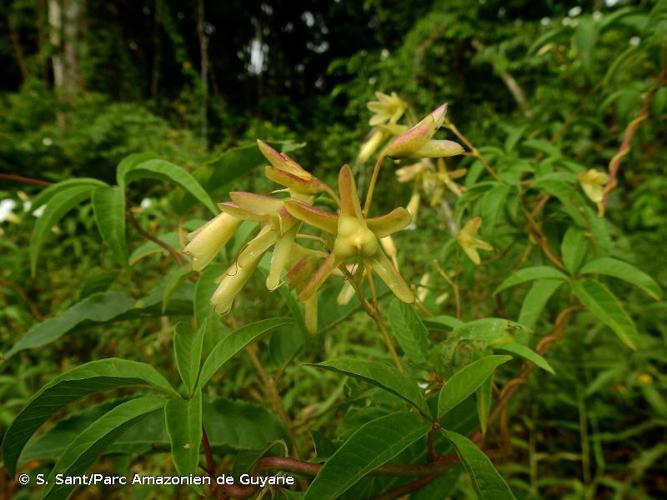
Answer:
(488, 330)
(174, 279)
(47, 193)
(573, 249)
(409, 331)
(549, 37)
(526, 353)
(543, 146)
(570, 201)
(371, 446)
(530, 274)
(150, 247)
(492, 204)
(164, 170)
(91, 377)
(607, 308)
(484, 400)
(488, 483)
(466, 381)
(61, 203)
(230, 165)
(624, 271)
(98, 307)
(184, 426)
(228, 347)
(437, 322)
(381, 375)
(229, 423)
(91, 442)
(536, 299)
(585, 37)
(241, 425)
(628, 55)
(109, 208)
(187, 352)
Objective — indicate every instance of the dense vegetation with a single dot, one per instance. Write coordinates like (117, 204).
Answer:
(385, 296)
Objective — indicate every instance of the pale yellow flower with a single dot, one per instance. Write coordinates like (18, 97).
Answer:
(387, 108)
(371, 145)
(468, 241)
(592, 181)
(205, 242)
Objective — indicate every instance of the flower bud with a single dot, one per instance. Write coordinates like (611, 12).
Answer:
(439, 149)
(413, 205)
(281, 161)
(408, 143)
(370, 146)
(281, 256)
(310, 316)
(345, 295)
(205, 243)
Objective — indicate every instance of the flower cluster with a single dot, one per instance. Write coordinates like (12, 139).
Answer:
(309, 244)
(348, 238)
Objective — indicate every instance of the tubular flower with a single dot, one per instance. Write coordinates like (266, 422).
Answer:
(288, 173)
(371, 145)
(356, 238)
(418, 141)
(278, 230)
(205, 243)
(592, 181)
(387, 109)
(468, 241)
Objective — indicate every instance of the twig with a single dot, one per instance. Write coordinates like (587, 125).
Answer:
(210, 463)
(398, 470)
(33, 307)
(628, 135)
(380, 323)
(455, 287)
(541, 240)
(473, 150)
(374, 313)
(273, 394)
(509, 81)
(172, 251)
(371, 184)
(24, 180)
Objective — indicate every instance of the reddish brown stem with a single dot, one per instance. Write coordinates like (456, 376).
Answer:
(171, 250)
(628, 135)
(24, 180)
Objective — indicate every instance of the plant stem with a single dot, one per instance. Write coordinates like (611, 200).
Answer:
(171, 250)
(381, 325)
(371, 184)
(473, 150)
(374, 312)
(628, 135)
(210, 463)
(273, 394)
(24, 180)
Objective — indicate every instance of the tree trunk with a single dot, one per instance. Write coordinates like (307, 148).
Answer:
(65, 20)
